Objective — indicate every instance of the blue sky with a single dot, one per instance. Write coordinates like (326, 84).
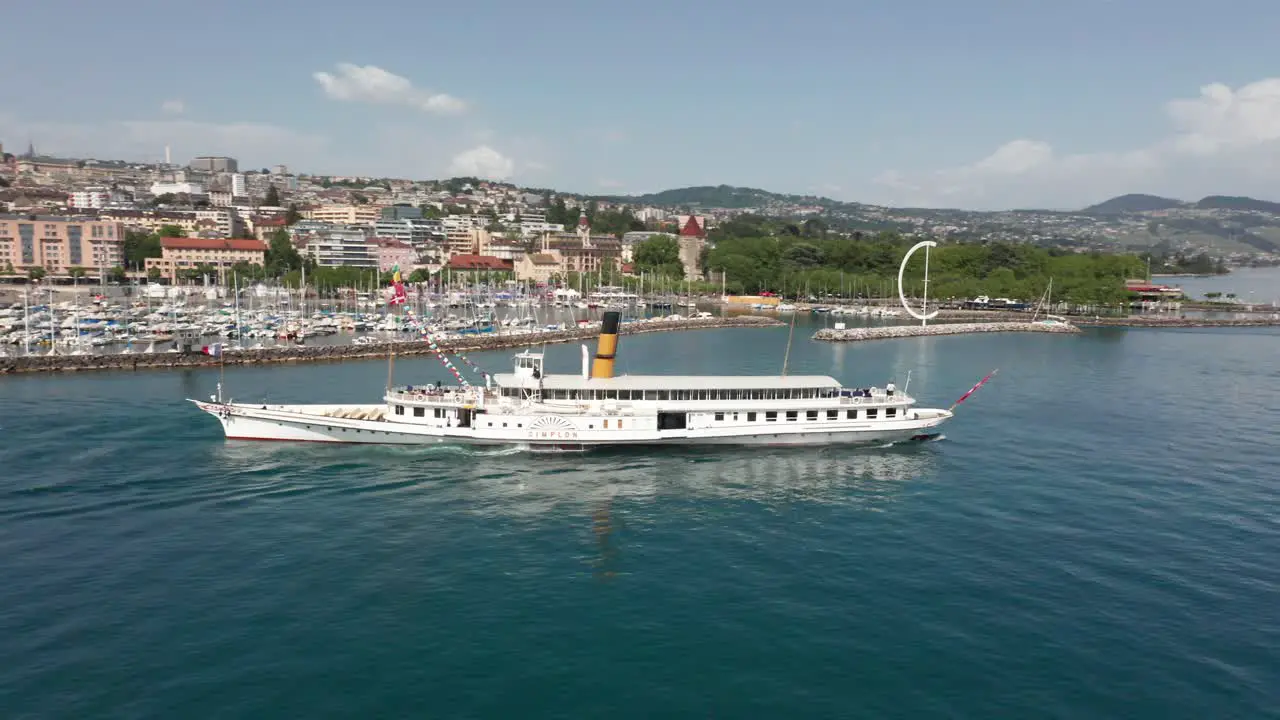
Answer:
(981, 104)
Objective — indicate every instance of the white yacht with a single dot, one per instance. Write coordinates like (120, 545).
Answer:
(528, 407)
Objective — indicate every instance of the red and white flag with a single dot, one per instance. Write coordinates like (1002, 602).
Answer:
(214, 350)
(974, 389)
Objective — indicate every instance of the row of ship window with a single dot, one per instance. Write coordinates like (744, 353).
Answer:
(768, 394)
(794, 415)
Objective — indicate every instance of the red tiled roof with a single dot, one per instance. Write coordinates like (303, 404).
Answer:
(212, 244)
(691, 228)
(479, 262)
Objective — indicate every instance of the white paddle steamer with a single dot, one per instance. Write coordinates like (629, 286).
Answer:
(530, 407)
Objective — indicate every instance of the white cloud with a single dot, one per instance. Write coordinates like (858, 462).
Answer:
(1223, 141)
(372, 84)
(173, 107)
(482, 162)
(255, 144)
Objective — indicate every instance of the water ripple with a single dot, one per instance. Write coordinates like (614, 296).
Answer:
(1096, 538)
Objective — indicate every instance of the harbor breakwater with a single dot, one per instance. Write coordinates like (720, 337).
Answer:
(1176, 322)
(904, 331)
(329, 353)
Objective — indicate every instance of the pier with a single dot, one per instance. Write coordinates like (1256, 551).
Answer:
(905, 331)
(329, 353)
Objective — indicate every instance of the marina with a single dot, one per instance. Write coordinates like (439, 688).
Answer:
(377, 348)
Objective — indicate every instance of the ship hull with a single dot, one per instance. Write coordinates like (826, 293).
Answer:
(366, 424)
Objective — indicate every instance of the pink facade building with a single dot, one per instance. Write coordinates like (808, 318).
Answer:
(58, 243)
(393, 252)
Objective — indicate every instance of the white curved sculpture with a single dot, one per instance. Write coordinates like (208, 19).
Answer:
(924, 317)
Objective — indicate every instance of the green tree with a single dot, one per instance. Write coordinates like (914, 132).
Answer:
(171, 231)
(153, 274)
(164, 199)
(557, 211)
(282, 256)
(138, 246)
(659, 255)
(814, 228)
(292, 216)
(803, 255)
(117, 275)
(36, 273)
(8, 268)
(76, 272)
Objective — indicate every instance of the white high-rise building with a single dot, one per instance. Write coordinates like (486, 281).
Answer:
(93, 197)
(239, 188)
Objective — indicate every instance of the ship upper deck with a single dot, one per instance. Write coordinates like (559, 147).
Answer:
(645, 383)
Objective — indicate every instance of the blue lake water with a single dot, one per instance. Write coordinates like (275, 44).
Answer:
(1250, 285)
(1096, 537)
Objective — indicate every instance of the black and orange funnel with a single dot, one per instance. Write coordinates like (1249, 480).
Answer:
(607, 346)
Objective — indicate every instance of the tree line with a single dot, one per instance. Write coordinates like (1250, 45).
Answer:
(806, 259)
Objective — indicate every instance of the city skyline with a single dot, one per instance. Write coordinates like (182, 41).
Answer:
(990, 106)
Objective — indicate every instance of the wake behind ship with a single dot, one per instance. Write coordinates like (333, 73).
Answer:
(528, 407)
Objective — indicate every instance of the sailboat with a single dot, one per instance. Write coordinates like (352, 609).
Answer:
(1046, 301)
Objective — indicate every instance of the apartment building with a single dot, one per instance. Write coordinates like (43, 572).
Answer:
(58, 243)
(345, 214)
(338, 246)
(215, 164)
(178, 254)
(90, 198)
(401, 212)
(151, 220)
(416, 232)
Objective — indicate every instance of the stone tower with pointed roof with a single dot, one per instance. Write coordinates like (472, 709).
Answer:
(692, 239)
(584, 230)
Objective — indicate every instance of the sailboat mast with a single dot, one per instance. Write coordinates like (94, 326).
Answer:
(26, 319)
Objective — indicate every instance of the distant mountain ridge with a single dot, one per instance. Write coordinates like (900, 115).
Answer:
(1230, 202)
(1133, 203)
(720, 196)
(731, 197)
(1138, 203)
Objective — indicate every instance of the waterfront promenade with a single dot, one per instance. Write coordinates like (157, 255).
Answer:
(323, 353)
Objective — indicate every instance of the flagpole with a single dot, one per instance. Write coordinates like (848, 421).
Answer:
(973, 389)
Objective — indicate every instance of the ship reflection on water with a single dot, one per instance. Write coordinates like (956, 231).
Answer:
(603, 493)
(829, 475)
(512, 482)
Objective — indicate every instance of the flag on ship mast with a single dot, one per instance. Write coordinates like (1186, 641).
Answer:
(214, 350)
(973, 389)
(398, 297)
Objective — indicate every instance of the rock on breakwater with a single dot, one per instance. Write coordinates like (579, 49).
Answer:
(903, 331)
(322, 353)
